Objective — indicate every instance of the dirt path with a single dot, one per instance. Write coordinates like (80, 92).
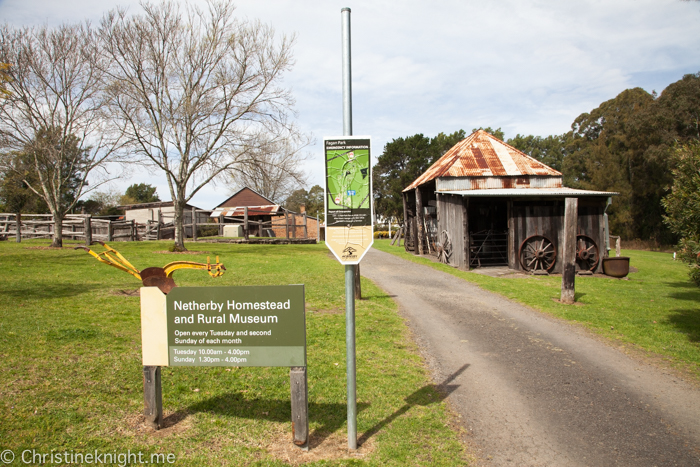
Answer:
(535, 391)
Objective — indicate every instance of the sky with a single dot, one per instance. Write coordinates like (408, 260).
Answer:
(526, 66)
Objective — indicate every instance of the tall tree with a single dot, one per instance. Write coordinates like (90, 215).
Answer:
(550, 150)
(274, 170)
(199, 93)
(683, 205)
(54, 113)
(142, 193)
(404, 160)
(312, 201)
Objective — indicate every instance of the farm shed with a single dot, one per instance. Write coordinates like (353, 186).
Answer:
(159, 216)
(265, 217)
(486, 203)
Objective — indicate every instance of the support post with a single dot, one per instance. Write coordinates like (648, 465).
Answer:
(18, 223)
(246, 233)
(109, 231)
(568, 275)
(306, 229)
(419, 222)
(300, 406)
(152, 396)
(350, 355)
(286, 224)
(194, 224)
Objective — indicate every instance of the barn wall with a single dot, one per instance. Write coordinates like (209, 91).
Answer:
(538, 217)
(451, 218)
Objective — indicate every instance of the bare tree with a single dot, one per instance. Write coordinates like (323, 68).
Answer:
(52, 113)
(197, 91)
(274, 171)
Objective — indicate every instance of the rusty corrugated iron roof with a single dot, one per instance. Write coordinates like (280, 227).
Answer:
(268, 210)
(483, 155)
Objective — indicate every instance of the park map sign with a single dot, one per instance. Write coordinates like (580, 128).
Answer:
(348, 197)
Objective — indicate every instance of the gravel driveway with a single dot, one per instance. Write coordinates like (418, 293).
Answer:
(532, 390)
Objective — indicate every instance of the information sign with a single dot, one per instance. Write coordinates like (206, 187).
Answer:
(348, 199)
(236, 326)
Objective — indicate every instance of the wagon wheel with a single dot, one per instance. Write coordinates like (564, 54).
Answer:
(537, 253)
(444, 247)
(587, 256)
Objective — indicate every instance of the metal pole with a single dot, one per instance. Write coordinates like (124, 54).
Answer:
(350, 354)
(349, 269)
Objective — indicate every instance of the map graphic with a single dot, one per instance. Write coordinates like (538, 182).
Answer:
(348, 180)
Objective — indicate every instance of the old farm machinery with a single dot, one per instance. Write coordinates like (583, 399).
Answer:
(538, 254)
(153, 276)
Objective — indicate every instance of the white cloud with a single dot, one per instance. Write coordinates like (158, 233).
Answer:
(528, 66)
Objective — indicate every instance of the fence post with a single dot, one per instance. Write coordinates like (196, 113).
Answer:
(160, 221)
(294, 225)
(306, 231)
(286, 224)
(88, 230)
(245, 223)
(221, 226)
(194, 224)
(18, 221)
(133, 230)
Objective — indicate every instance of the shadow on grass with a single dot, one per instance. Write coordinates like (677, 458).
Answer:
(331, 417)
(428, 394)
(43, 291)
(687, 322)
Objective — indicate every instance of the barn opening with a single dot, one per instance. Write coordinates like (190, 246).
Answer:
(488, 231)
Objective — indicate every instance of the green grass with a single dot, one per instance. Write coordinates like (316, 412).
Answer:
(657, 310)
(71, 376)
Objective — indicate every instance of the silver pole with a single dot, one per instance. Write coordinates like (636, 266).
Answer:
(349, 269)
(347, 73)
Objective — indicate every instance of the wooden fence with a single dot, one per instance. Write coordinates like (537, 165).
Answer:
(89, 228)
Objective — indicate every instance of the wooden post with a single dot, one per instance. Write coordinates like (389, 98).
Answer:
(221, 226)
(286, 224)
(294, 225)
(300, 406)
(318, 227)
(152, 396)
(109, 231)
(512, 252)
(568, 275)
(160, 221)
(88, 230)
(245, 223)
(194, 224)
(465, 237)
(306, 228)
(420, 230)
(132, 234)
(18, 222)
(406, 225)
(617, 247)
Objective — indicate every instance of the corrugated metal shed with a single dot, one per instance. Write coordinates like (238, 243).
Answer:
(528, 192)
(484, 155)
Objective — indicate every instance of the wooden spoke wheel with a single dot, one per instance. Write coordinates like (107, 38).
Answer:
(537, 253)
(587, 255)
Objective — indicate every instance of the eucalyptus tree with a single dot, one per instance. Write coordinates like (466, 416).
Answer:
(52, 113)
(198, 92)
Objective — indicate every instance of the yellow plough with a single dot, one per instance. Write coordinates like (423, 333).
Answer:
(153, 276)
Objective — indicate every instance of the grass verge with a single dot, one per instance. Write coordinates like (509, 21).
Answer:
(657, 310)
(71, 378)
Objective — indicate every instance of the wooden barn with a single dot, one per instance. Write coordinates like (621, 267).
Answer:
(266, 219)
(485, 203)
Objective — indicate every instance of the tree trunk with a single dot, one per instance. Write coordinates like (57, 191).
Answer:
(57, 230)
(179, 217)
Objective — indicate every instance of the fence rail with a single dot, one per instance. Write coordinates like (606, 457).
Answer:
(88, 228)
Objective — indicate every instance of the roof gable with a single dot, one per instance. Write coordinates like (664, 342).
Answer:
(245, 197)
(483, 155)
